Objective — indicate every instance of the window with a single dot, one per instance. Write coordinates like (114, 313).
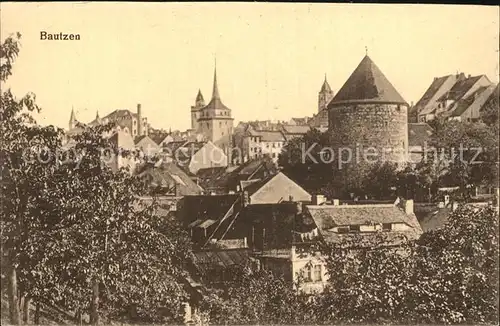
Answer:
(343, 229)
(354, 228)
(307, 274)
(317, 273)
(387, 227)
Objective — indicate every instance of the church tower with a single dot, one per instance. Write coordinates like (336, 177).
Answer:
(325, 95)
(195, 110)
(215, 121)
(72, 120)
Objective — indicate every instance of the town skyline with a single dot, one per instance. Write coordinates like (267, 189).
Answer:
(268, 55)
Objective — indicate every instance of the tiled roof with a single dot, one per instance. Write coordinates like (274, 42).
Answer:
(227, 179)
(296, 129)
(116, 114)
(209, 259)
(419, 134)
(327, 217)
(169, 174)
(367, 84)
(268, 135)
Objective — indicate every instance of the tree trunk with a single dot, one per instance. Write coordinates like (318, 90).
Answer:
(94, 305)
(37, 313)
(26, 309)
(12, 293)
(79, 317)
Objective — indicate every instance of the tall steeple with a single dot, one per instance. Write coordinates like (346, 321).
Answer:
(97, 115)
(326, 87)
(215, 91)
(72, 119)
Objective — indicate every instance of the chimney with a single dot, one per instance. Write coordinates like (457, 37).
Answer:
(409, 206)
(469, 76)
(411, 103)
(290, 198)
(336, 202)
(139, 118)
(318, 199)
(299, 207)
(246, 198)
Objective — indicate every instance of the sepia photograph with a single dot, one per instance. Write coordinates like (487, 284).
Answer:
(249, 163)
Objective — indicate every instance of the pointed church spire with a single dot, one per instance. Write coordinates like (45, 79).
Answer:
(325, 88)
(97, 115)
(72, 116)
(215, 92)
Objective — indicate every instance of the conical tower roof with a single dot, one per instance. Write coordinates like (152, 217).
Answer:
(367, 84)
(325, 88)
(199, 97)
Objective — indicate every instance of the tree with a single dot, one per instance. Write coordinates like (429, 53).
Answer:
(447, 276)
(24, 178)
(75, 234)
(306, 160)
(259, 297)
(470, 153)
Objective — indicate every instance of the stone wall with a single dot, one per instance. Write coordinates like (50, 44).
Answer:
(381, 127)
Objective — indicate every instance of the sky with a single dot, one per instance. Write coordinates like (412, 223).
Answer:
(271, 57)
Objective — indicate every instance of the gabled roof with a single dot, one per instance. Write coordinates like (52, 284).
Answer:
(439, 85)
(120, 114)
(276, 188)
(475, 101)
(367, 84)
(460, 88)
(419, 133)
(122, 140)
(227, 179)
(168, 174)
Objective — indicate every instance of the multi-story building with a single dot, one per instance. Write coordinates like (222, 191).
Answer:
(213, 120)
(129, 122)
(453, 97)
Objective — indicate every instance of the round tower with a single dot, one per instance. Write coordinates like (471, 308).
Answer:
(368, 118)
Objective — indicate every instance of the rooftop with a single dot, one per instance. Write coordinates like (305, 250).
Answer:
(367, 84)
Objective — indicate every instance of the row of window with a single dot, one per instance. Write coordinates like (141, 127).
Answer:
(357, 228)
(312, 273)
(207, 114)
